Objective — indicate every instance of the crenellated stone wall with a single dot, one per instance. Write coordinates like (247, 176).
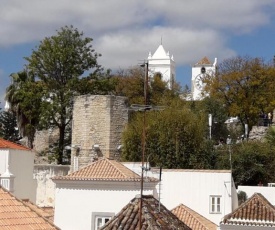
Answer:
(98, 123)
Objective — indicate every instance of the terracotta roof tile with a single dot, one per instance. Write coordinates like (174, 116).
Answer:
(152, 218)
(10, 145)
(204, 61)
(255, 211)
(103, 169)
(193, 219)
(15, 214)
(46, 212)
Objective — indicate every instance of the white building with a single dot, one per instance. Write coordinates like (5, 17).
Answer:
(211, 193)
(87, 198)
(16, 169)
(200, 71)
(161, 62)
(98, 191)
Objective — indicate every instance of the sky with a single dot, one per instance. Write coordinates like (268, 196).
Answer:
(125, 31)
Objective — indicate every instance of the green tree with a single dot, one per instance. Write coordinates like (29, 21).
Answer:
(100, 83)
(208, 105)
(130, 83)
(242, 197)
(252, 162)
(270, 136)
(245, 86)
(8, 126)
(175, 138)
(59, 62)
(24, 96)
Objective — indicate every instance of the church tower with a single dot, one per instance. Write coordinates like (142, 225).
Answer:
(200, 71)
(161, 62)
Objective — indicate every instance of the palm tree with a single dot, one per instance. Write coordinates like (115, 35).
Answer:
(15, 96)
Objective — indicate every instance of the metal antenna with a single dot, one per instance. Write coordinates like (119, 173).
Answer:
(143, 108)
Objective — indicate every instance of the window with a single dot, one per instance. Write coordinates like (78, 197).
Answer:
(215, 204)
(100, 218)
(100, 221)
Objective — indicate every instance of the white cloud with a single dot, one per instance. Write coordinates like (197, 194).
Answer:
(29, 20)
(125, 31)
(185, 45)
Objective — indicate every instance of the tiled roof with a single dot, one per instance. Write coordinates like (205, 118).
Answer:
(104, 169)
(152, 218)
(256, 211)
(15, 214)
(193, 219)
(46, 212)
(10, 145)
(204, 61)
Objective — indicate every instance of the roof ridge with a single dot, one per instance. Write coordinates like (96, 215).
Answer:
(204, 61)
(11, 145)
(104, 169)
(88, 165)
(188, 210)
(239, 211)
(129, 215)
(111, 162)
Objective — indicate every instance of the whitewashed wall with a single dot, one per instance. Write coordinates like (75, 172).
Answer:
(21, 164)
(267, 192)
(193, 188)
(76, 201)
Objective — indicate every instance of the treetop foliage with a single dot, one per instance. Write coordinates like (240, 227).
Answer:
(62, 57)
(245, 86)
(8, 126)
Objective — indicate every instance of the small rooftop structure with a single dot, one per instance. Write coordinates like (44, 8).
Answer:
(154, 216)
(204, 61)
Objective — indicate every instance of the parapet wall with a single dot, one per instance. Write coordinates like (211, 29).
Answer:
(45, 192)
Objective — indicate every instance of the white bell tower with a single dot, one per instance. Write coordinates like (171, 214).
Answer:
(201, 70)
(161, 62)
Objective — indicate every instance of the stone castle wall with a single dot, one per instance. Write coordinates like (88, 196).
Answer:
(44, 138)
(98, 123)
